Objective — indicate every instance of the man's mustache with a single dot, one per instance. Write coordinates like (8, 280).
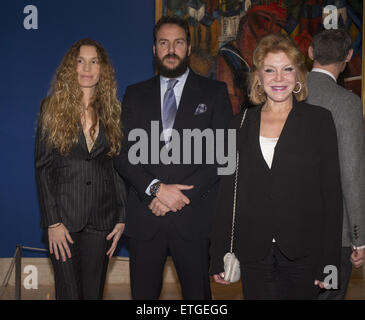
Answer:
(171, 55)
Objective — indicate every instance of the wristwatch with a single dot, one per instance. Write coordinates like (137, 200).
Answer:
(155, 188)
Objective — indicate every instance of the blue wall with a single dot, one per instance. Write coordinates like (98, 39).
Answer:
(28, 60)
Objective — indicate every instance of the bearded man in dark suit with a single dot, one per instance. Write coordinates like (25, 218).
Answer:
(171, 203)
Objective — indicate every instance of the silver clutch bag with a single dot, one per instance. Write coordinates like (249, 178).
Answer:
(232, 270)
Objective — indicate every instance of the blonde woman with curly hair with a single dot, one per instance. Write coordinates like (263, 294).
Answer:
(82, 199)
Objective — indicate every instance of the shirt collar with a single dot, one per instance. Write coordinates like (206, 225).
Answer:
(181, 79)
(325, 72)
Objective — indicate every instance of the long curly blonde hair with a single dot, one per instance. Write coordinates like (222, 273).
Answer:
(61, 110)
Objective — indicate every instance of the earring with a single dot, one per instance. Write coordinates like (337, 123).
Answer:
(300, 87)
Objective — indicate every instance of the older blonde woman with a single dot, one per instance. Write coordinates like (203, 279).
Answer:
(81, 198)
(289, 207)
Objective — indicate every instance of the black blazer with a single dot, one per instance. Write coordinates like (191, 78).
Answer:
(298, 202)
(81, 188)
(141, 105)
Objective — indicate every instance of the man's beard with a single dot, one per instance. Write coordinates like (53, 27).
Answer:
(175, 72)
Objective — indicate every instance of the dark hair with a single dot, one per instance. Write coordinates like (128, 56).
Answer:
(331, 46)
(172, 20)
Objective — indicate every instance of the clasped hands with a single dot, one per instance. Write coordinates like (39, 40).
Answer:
(169, 198)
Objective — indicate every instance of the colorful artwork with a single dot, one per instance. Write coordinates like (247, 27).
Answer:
(224, 34)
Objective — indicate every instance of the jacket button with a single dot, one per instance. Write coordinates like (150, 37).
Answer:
(88, 183)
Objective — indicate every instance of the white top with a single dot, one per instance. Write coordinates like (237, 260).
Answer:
(268, 148)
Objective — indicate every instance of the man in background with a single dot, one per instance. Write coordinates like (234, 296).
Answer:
(170, 206)
(330, 51)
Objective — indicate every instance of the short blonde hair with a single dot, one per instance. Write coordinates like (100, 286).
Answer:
(274, 43)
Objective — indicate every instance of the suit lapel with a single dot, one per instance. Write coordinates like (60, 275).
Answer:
(252, 136)
(153, 111)
(99, 145)
(283, 144)
(187, 103)
(154, 97)
(82, 141)
(287, 135)
(100, 142)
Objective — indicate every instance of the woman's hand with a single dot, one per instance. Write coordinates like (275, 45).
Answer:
(219, 278)
(58, 236)
(321, 284)
(115, 234)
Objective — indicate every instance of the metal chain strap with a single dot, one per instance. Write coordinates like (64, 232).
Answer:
(235, 189)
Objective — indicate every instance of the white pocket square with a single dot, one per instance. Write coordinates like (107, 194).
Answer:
(201, 108)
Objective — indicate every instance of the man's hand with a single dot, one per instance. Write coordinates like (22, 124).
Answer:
(158, 208)
(358, 257)
(115, 234)
(171, 196)
(58, 236)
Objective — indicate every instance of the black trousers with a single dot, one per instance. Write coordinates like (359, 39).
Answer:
(345, 275)
(278, 278)
(147, 261)
(83, 276)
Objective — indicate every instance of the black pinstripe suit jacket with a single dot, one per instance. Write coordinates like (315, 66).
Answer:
(81, 188)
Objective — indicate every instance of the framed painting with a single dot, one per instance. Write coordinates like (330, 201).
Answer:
(224, 34)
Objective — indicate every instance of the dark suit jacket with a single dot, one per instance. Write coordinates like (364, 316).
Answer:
(298, 202)
(141, 105)
(81, 188)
